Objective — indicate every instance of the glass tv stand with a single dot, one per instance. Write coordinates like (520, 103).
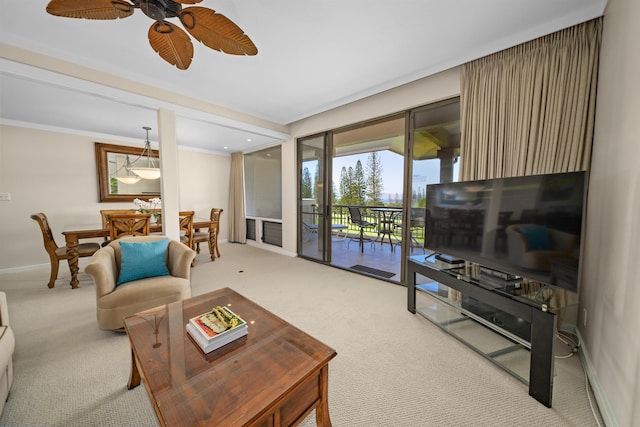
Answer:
(510, 325)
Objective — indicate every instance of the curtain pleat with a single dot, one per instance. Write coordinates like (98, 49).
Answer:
(237, 220)
(530, 109)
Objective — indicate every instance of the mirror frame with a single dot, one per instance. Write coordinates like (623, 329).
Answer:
(102, 169)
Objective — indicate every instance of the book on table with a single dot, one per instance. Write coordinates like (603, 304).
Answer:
(216, 328)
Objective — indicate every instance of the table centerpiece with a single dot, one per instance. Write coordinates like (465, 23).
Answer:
(149, 207)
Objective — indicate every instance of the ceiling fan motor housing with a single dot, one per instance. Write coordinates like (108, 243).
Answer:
(160, 9)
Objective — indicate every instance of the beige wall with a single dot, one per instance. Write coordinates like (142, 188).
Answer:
(610, 293)
(55, 173)
(421, 92)
(204, 184)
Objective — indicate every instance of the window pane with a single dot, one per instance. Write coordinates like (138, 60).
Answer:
(436, 148)
(368, 163)
(263, 183)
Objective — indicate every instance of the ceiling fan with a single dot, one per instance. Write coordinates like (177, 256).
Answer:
(214, 30)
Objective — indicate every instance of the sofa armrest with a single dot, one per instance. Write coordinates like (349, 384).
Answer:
(104, 271)
(4, 310)
(180, 258)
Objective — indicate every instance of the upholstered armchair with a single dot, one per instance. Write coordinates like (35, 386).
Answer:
(135, 274)
(534, 246)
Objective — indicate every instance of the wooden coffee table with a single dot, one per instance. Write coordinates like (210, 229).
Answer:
(275, 376)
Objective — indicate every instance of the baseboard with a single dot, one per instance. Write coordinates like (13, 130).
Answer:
(599, 394)
(24, 268)
(271, 248)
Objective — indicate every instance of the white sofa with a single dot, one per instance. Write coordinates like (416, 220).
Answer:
(7, 346)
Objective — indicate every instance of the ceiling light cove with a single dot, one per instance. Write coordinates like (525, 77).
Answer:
(173, 44)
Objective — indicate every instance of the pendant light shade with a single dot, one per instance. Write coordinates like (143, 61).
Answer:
(150, 170)
(147, 173)
(130, 177)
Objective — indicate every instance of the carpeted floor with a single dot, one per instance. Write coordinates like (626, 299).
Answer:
(392, 368)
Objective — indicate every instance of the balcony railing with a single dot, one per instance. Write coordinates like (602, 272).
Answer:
(340, 215)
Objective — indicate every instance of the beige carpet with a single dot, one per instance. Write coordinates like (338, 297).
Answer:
(392, 368)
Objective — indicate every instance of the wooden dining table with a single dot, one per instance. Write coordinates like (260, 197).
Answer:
(74, 233)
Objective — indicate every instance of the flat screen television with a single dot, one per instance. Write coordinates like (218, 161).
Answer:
(528, 226)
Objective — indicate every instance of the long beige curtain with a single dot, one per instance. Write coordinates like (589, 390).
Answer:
(530, 109)
(237, 220)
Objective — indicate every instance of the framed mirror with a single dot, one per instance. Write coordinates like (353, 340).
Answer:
(116, 183)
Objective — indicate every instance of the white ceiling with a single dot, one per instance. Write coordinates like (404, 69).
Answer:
(312, 56)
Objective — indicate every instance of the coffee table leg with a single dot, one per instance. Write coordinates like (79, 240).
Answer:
(134, 378)
(322, 411)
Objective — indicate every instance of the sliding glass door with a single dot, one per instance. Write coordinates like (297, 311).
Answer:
(368, 180)
(378, 171)
(312, 198)
(435, 134)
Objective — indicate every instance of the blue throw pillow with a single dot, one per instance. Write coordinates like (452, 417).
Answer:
(142, 259)
(537, 238)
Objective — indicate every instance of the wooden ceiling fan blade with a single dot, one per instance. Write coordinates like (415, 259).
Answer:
(90, 9)
(216, 31)
(172, 44)
(187, 1)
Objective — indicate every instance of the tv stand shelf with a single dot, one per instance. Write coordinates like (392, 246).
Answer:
(538, 339)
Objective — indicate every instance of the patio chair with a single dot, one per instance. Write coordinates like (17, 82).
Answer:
(416, 223)
(355, 217)
(310, 229)
(387, 225)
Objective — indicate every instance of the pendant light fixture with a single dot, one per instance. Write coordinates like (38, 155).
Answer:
(150, 171)
(130, 177)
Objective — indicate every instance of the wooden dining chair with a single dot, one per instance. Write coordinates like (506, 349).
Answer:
(105, 213)
(186, 227)
(131, 224)
(104, 216)
(56, 253)
(211, 233)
